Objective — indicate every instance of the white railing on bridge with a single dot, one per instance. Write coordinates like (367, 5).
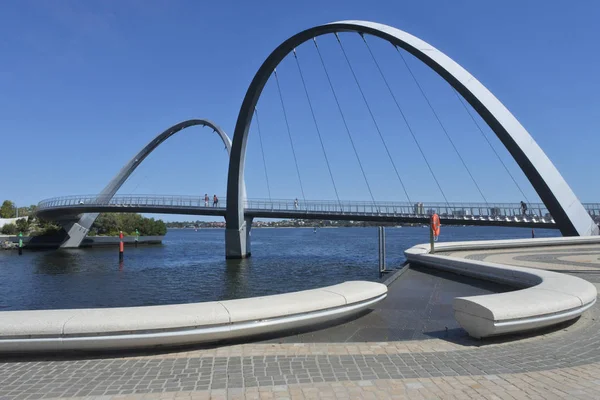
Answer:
(490, 211)
(400, 208)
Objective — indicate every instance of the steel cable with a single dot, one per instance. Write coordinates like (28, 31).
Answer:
(462, 101)
(373, 118)
(441, 124)
(262, 151)
(318, 130)
(407, 123)
(345, 123)
(289, 134)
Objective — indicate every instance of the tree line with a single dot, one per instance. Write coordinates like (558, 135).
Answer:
(112, 224)
(105, 224)
(9, 210)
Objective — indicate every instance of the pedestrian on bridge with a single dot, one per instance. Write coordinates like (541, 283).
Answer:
(296, 203)
(215, 201)
(523, 208)
(206, 199)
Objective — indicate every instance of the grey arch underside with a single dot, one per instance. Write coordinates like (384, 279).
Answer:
(568, 212)
(79, 229)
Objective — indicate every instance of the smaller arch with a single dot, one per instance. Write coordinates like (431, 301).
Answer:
(76, 231)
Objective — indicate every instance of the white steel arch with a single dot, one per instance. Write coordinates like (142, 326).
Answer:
(566, 209)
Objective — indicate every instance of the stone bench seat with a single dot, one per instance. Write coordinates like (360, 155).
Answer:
(181, 324)
(546, 297)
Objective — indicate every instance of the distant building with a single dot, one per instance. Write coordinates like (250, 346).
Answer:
(419, 208)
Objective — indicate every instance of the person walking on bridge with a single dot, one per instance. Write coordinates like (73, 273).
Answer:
(523, 208)
(206, 199)
(215, 201)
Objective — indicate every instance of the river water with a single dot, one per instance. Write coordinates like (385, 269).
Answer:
(190, 267)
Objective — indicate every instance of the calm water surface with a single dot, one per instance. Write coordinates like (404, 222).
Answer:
(190, 267)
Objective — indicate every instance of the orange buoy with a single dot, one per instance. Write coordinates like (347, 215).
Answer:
(121, 246)
(435, 225)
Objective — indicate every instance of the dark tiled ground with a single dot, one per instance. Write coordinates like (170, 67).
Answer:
(418, 306)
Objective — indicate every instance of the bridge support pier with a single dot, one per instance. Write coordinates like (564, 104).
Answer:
(75, 235)
(237, 241)
(77, 230)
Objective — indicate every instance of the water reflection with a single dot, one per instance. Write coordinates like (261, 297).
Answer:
(54, 262)
(236, 278)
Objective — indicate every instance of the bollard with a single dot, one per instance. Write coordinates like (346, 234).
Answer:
(121, 246)
(137, 237)
(383, 248)
(431, 241)
(20, 243)
(381, 235)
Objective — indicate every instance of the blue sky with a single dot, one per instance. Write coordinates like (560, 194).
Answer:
(85, 85)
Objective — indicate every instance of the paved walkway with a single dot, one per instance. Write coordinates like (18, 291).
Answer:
(562, 363)
(580, 260)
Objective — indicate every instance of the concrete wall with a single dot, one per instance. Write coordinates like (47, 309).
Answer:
(4, 221)
(182, 324)
(548, 298)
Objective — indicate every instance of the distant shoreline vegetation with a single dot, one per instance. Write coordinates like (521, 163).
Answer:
(287, 223)
(105, 225)
(111, 224)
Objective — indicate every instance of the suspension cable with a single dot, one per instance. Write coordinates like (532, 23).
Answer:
(139, 183)
(344, 120)
(406, 122)
(372, 117)
(312, 112)
(462, 101)
(262, 152)
(289, 134)
(441, 124)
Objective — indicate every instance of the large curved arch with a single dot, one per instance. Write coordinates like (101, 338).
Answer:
(570, 216)
(77, 230)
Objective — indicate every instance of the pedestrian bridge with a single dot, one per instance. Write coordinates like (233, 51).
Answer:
(497, 214)
(561, 208)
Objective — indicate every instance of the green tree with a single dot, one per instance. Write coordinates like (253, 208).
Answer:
(111, 224)
(7, 210)
(23, 225)
(9, 229)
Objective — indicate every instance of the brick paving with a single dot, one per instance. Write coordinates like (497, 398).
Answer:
(563, 363)
(575, 258)
(567, 383)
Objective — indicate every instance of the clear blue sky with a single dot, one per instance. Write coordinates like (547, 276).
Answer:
(84, 85)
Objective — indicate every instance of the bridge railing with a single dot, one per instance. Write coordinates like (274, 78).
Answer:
(128, 201)
(593, 209)
(466, 210)
(494, 211)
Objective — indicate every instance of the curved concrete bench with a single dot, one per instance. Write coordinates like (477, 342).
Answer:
(181, 324)
(548, 298)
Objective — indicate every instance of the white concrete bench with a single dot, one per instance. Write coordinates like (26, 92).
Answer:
(548, 298)
(181, 324)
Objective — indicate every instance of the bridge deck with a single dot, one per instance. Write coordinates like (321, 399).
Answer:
(503, 214)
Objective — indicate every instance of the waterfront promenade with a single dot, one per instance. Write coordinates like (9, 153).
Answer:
(560, 363)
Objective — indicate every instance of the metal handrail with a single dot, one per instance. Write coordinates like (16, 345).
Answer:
(465, 211)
